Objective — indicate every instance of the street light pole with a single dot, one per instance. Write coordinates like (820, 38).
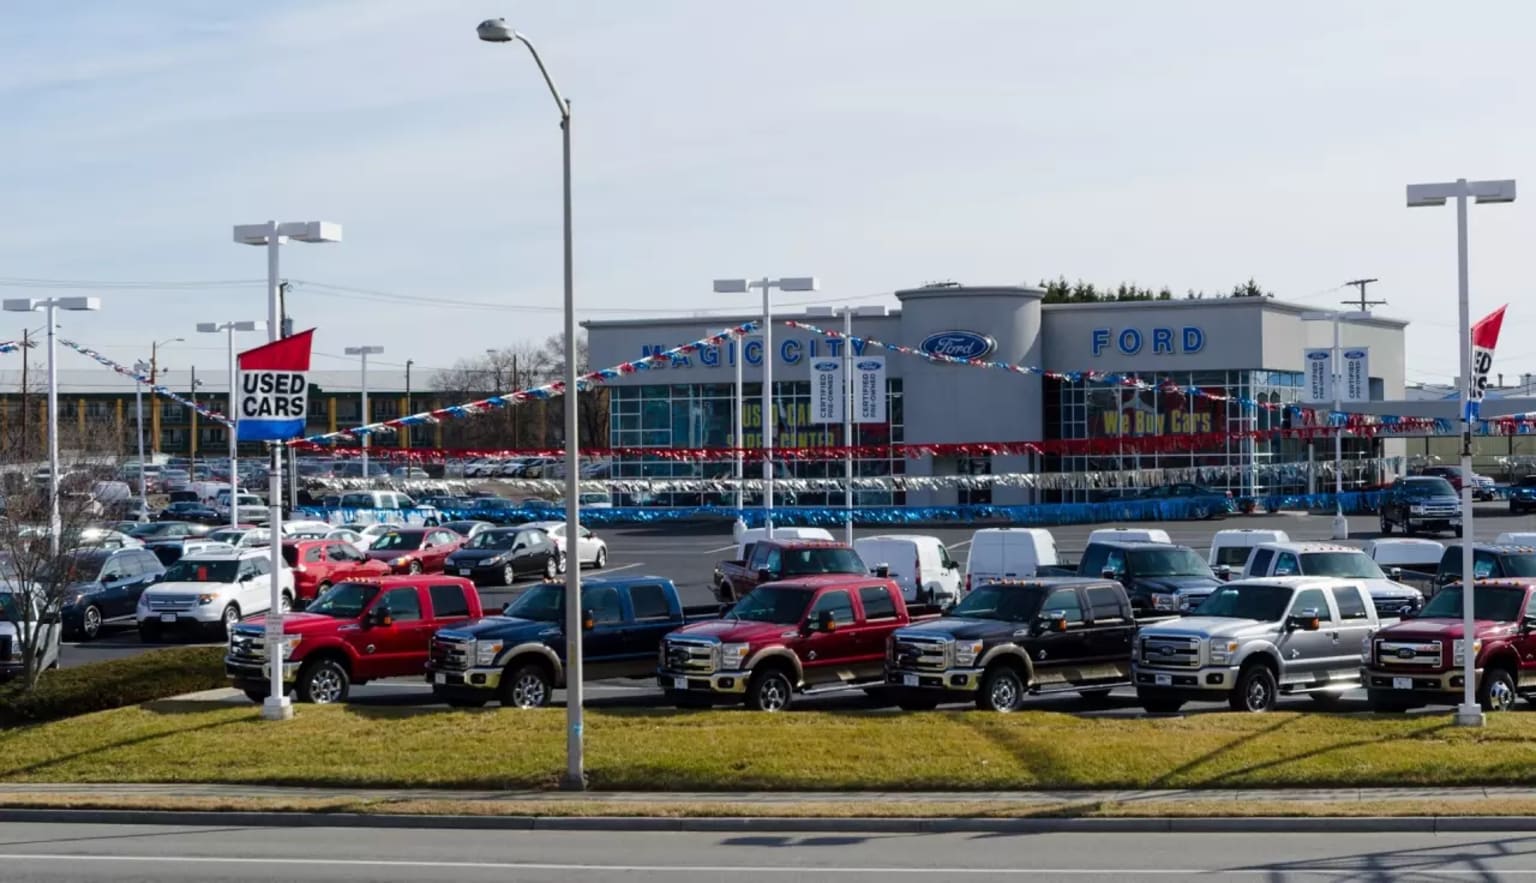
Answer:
(139, 370)
(271, 234)
(1469, 713)
(364, 352)
(231, 410)
(49, 307)
(406, 430)
(497, 30)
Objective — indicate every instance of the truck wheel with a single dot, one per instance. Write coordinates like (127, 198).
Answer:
(1159, 704)
(528, 687)
(685, 699)
(1386, 525)
(770, 690)
(1496, 692)
(323, 681)
(1001, 690)
(1255, 691)
(912, 701)
(728, 594)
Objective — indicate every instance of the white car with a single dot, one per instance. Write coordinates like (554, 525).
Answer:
(590, 548)
(249, 508)
(348, 536)
(210, 592)
(11, 625)
(307, 528)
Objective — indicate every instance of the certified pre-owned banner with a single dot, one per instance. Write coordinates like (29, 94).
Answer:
(869, 374)
(1319, 365)
(826, 390)
(1357, 374)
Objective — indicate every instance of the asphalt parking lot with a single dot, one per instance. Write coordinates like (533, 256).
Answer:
(687, 555)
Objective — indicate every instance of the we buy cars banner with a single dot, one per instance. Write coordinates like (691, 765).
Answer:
(1485, 336)
(272, 399)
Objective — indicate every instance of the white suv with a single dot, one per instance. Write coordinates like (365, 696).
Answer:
(210, 592)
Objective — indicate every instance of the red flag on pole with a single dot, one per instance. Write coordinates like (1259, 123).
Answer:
(1485, 336)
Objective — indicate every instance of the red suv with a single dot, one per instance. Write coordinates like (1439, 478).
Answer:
(319, 564)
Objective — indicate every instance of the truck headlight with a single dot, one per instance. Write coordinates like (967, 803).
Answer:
(733, 657)
(966, 652)
(1365, 648)
(1459, 650)
(1165, 602)
(289, 643)
(1416, 509)
(1222, 652)
(486, 653)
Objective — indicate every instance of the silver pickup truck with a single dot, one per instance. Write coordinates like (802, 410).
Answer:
(1254, 640)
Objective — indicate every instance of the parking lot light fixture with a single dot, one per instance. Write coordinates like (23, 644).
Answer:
(272, 235)
(231, 411)
(50, 306)
(1469, 713)
(742, 286)
(364, 352)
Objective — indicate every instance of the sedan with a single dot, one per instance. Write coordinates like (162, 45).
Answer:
(468, 529)
(415, 549)
(500, 555)
(590, 548)
(191, 510)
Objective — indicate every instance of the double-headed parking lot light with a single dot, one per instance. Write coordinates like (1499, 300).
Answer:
(742, 286)
(49, 306)
(232, 412)
(1469, 713)
(364, 352)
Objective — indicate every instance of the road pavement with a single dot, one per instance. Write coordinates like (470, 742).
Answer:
(83, 852)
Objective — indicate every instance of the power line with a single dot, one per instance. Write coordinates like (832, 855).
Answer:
(1365, 305)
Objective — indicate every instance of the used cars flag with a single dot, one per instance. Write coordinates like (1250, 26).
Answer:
(273, 393)
(1485, 336)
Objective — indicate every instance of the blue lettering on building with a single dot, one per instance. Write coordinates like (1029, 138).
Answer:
(789, 352)
(1165, 341)
(1100, 340)
(1130, 341)
(1162, 340)
(754, 352)
(709, 356)
(1194, 339)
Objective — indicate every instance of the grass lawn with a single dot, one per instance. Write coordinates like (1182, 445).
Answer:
(177, 741)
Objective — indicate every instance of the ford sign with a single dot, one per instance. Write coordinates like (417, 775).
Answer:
(958, 344)
(825, 365)
(870, 366)
(1318, 356)
(1354, 354)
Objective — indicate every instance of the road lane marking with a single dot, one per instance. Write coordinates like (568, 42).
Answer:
(607, 570)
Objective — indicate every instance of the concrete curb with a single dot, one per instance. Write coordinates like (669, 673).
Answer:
(1232, 825)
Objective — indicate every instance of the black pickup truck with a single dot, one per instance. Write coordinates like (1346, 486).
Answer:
(1009, 639)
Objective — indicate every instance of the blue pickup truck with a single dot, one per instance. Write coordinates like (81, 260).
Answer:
(518, 658)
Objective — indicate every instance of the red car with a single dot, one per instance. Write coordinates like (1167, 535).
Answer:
(415, 549)
(319, 564)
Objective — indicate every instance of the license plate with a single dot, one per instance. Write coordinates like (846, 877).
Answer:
(439, 678)
(909, 680)
(1163, 680)
(464, 571)
(1402, 683)
(167, 617)
(679, 683)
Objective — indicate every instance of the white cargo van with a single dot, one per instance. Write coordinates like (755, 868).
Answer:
(1415, 556)
(1128, 535)
(919, 563)
(753, 534)
(1230, 548)
(1516, 538)
(1008, 553)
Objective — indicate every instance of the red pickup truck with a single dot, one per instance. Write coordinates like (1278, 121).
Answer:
(774, 560)
(808, 635)
(1419, 661)
(355, 632)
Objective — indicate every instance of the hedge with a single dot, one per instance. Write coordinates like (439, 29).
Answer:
(114, 683)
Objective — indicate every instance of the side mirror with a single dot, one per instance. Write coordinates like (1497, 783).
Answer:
(883, 571)
(1054, 621)
(953, 565)
(1408, 611)
(382, 616)
(1223, 572)
(588, 619)
(1395, 573)
(764, 575)
(1110, 573)
(1528, 626)
(1306, 620)
(827, 621)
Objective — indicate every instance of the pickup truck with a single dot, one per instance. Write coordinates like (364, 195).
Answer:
(518, 658)
(1421, 502)
(1255, 639)
(1389, 597)
(1489, 561)
(1158, 577)
(355, 632)
(1010, 638)
(810, 634)
(774, 560)
(1419, 661)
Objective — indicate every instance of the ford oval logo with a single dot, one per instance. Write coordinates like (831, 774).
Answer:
(1405, 653)
(870, 365)
(825, 365)
(958, 344)
(1318, 357)
(1354, 354)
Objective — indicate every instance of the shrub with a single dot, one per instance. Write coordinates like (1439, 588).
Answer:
(114, 683)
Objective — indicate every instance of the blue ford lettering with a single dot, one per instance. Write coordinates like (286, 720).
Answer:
(1129, 341)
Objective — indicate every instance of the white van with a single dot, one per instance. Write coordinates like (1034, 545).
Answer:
(919, 563)
(1230, 548)
(1516, 538)
(753, 534)
(1419, 556)
(1128, 535)
(1008, 553)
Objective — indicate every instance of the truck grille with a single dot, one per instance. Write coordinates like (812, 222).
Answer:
(691, 656)
(1415, 655)
(1170, 652)
(1435, 510)
(450, 653)
(248, 647)
(172, 602)
(1388, 608)
(921, 653)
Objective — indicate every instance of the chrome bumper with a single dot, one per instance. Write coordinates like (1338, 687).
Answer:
(966, 680)
(1214, 678)
(1449, 681)
(246, 670)
(722, 682)
(487, 678)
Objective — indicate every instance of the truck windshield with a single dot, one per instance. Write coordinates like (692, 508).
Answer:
(1259, 603)
(1423, 488)
(1497, 605)
(194, 571)
(803, 562)
(1168, 562)
(343, 601)
(1345, 564)
(543, 603)
(774, 604)
(1008, 603)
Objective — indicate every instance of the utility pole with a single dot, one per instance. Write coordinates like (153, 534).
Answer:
(405, 431)
(1362, 304)
(154, 406)
(192, 434)
(26, 398)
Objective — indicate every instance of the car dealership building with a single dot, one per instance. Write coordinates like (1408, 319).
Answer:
(1202, 359)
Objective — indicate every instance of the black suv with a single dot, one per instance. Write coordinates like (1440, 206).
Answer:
(1421, 503)
(1158, 577)
(104, 587)
(1007, 639)
(1488, 562)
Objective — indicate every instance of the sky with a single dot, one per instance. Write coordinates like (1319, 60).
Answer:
(875, 144)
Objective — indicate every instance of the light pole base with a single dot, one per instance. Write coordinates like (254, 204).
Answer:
(1340, 526)
(738, 528)
(1469, 716)
(277, 708)
(569, 783)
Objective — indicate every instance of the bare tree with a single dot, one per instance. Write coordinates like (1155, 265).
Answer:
(535, 424)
